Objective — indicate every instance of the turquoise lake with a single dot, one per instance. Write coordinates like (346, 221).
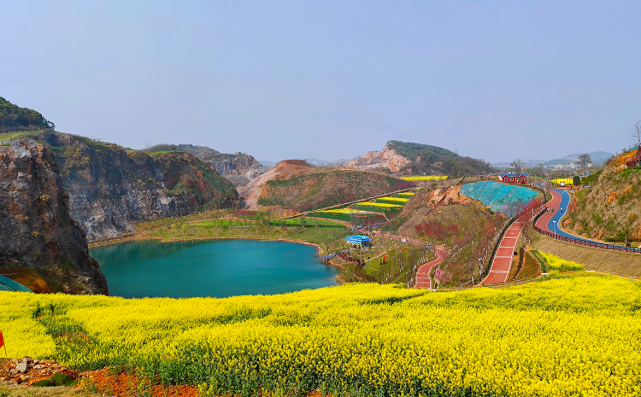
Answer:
(219, 268)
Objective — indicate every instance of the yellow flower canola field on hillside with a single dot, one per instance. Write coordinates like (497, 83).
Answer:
(568, 181)
(556, 263)
(571, 335)
(424, 178)
(394, 199)
(344, 211)
(383, 205)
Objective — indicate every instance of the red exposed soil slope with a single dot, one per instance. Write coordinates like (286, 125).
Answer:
(283, 170)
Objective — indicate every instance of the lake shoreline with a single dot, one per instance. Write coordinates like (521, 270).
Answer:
(120, 240)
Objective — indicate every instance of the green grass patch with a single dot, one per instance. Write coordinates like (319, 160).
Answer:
(160, 152)
(219, 223)
(306, 221)
(10, 136)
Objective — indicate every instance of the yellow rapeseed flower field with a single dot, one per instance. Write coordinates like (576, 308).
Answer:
(569, 335)
(383, 205)
(424, 178)
(556, 263)
(344, 211)
(394, 199)
(568, 181)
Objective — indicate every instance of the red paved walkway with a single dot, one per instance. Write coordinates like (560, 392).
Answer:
(502, 263)
(503, 259)
(423, 279)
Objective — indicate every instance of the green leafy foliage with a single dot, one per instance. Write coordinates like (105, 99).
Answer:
(576, 181)
(15, 118)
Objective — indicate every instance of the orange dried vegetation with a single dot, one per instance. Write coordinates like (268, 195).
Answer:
(126, 385)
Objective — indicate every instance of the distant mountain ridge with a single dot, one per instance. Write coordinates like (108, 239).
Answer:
(598, 158)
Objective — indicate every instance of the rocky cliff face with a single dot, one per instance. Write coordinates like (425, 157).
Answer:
(386, 158)
(235, 165)
(110, 187)
(36, 230)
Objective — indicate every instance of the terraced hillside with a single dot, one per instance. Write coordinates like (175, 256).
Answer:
(326, 187)
(609, 210)
(294, 184)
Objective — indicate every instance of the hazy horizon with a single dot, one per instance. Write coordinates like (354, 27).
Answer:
(331, 80)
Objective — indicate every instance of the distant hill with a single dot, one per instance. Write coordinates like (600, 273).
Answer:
(420, 159)
(594, 155)
(598, 158)
(15, 118)
(267, 163)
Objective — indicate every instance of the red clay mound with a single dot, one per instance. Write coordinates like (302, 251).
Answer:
(300, 163)
(283, 170)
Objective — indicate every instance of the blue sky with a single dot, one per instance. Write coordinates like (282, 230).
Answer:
(331, 79)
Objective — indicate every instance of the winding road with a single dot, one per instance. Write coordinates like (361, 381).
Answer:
(559, 206)
(550, 221)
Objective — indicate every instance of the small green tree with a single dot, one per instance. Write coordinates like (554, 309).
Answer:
(576, 181)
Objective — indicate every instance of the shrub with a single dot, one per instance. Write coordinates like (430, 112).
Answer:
(576, 181)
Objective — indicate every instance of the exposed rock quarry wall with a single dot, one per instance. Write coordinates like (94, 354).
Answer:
(36, 230)
(110, 187)
(229, 165)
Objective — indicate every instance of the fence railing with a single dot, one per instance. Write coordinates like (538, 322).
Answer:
(586, 243)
